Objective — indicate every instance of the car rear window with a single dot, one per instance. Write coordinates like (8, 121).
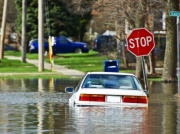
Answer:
(110, 81)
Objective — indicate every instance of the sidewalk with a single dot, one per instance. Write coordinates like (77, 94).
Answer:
(57, 68)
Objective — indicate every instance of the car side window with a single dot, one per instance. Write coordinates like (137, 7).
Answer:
(35, 41)
(63, 41)
(138, 85)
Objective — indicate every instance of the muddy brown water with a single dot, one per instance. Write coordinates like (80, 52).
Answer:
(41, 106)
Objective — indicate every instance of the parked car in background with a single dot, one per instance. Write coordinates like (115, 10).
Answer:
(33, 45)
(61, 45)
(103, 43)
(108, 89)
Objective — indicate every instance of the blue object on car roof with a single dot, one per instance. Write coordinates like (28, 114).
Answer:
(111, 66)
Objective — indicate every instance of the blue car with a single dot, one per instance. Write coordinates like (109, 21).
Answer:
(61, 45)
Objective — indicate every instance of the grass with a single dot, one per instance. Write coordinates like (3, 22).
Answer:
(11, 66)
(155, 79)
(85, 62)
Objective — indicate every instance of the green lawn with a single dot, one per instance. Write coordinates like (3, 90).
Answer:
(85, 62)
(11, 66)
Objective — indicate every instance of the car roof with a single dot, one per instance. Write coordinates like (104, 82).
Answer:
(113, 73)
(37, 40)
(105, 35)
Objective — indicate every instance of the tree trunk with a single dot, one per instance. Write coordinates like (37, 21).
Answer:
(170, 64)
(139, 73)
(23, 50)
(153, 62)
(140, 22)
(150, 58)
(3, 29)
(149, 66)
(124, 56)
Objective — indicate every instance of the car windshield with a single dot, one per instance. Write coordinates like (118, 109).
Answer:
(69, 39)
(110, 81)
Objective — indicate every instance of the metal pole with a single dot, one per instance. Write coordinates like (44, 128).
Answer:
(144, 73)
(177, 34)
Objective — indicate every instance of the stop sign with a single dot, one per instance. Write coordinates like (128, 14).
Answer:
(140, 42)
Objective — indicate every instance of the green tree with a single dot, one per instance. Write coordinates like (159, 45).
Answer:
(58, 20)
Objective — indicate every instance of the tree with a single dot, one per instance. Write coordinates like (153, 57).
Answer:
(170, 64)
(58, 20)
(23, 48)
(3, 27)
(129, 15)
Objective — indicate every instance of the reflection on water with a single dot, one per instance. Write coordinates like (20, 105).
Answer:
(34, 85)
(41, 106)
(109, 120)
(163, 107)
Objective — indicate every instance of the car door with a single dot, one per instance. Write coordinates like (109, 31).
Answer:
(63, 45)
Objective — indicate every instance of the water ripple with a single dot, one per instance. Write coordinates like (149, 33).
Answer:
(32, 97)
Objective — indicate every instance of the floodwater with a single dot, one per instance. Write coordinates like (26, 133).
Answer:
(36, 106)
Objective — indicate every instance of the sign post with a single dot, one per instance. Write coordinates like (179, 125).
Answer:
(140, 43)
(177, 14)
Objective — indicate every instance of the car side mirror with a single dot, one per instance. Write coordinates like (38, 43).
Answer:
(69, 89)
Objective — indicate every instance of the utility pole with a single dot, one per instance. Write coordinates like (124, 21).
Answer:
(41, 35)
(23, 44)
(3, 27)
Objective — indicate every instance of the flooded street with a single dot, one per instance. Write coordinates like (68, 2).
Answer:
(41, 106)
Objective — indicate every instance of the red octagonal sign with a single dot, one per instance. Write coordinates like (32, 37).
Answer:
(140, 42)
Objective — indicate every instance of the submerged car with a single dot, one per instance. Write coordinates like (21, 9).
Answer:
(61, 45)
(108, 89)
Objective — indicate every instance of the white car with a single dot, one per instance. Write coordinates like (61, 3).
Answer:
(108, 89)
